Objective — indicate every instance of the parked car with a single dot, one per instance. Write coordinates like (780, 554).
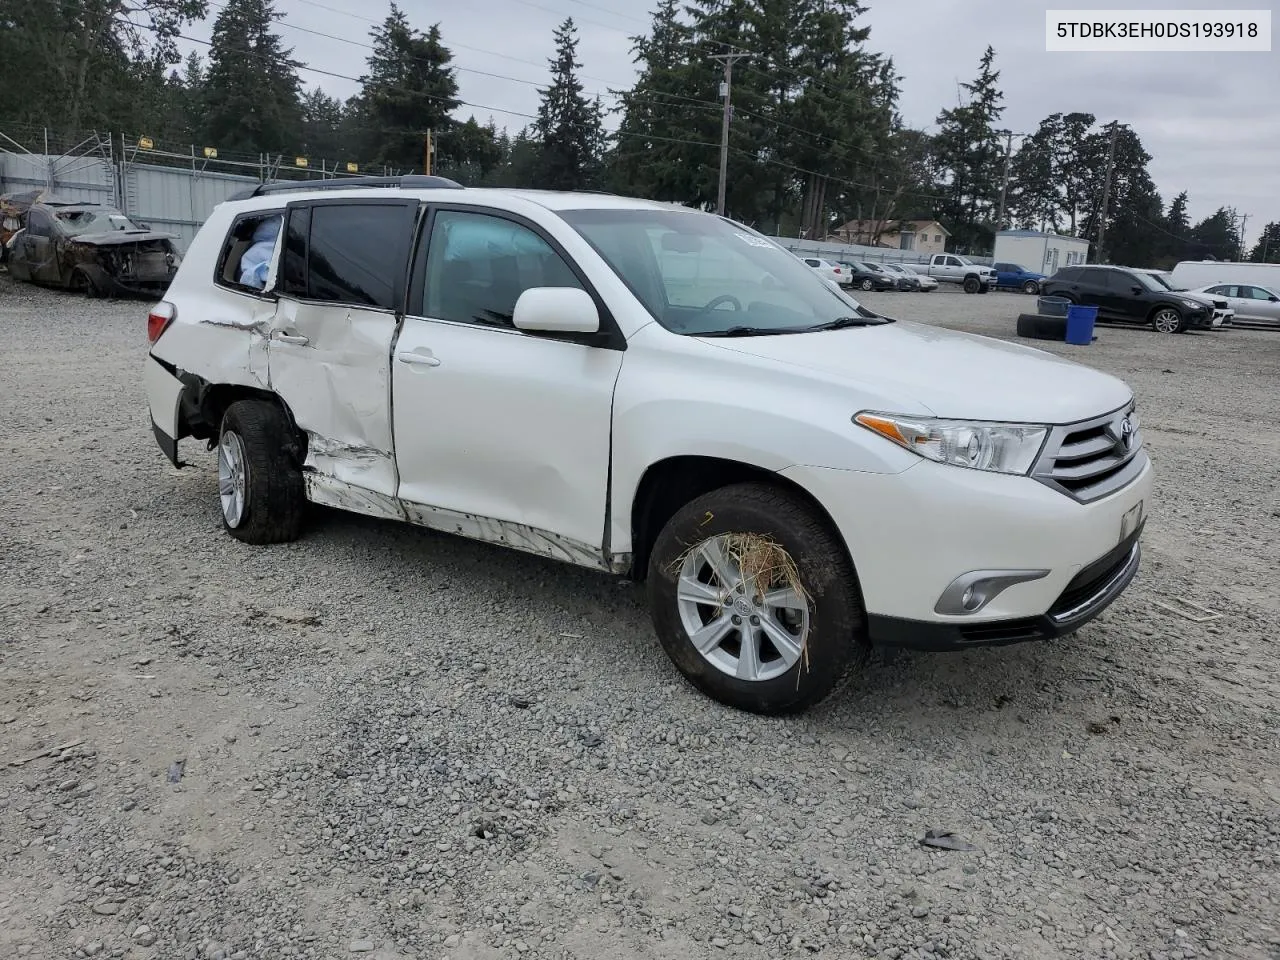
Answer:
(829, 269)
(953, 268)
(1249, 302)
(92, 249)
(877, 482)
(867, 276)
(919, 281)
(908, 280)
(1223, 313)
(1013, 276)
(1130, 296)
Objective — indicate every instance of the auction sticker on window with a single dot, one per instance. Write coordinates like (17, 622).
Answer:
(1158, 31)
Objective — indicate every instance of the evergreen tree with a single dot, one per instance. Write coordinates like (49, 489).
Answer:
(973, 155)
(568, 125)
(1215, 236)
(657, 112)
(251, 89)
(322, 134)
(472, 153)
(1135, 211)
(1267, 249)
(1177, 227)
(410, 89)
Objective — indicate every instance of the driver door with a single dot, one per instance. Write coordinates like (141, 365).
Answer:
(38, 249)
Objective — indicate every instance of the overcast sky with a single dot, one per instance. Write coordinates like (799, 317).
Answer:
(1208, 120)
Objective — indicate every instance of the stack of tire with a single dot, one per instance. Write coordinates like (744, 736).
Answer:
(1048, 323)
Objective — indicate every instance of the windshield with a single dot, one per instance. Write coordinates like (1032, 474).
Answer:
(1161, 279)
(76, 222)
(1151, 283)
(699, 274)
(874, 268)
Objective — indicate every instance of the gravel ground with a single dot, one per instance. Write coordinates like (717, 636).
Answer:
(399, 744)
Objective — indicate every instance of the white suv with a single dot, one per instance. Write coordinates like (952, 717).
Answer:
(653, 392)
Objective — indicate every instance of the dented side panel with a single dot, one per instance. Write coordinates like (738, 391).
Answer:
(329, 364)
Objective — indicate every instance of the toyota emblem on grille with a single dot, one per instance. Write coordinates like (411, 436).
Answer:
(1121, 434)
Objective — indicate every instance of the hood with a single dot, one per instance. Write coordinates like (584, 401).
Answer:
(1207, 299)
(949, 373)
(113, 238)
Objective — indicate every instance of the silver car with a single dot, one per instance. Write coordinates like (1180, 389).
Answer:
(1251, 303)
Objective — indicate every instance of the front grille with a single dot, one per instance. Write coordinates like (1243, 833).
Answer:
(1003, 631)
(1093, 458)
(1090, 581)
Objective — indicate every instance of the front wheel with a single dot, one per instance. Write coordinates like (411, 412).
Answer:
(755, 601)
(867, 284)
(260, 488)
(971, 285)
(1166, 320)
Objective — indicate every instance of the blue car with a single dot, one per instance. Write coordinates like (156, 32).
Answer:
(1011, 276)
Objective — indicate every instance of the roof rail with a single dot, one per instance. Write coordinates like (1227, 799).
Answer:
(413, 181)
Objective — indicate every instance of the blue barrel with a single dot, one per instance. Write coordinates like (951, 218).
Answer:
(1080, 322)
(1052, 306)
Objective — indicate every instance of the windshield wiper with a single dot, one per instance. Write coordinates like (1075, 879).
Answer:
(840, 323)
(746, 332)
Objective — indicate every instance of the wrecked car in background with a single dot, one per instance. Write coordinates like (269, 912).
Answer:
(92, 249)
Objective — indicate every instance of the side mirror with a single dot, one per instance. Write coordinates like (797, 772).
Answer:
(1137, 288)
(556, 310)
(1274, 299)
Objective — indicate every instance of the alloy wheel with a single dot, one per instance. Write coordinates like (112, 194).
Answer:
(745, 629)
(1167, 320)
(232, 478)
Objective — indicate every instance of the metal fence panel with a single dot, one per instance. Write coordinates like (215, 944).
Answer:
(83, 179)
(177, 200)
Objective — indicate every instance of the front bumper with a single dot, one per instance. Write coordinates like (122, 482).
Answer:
(912, 534)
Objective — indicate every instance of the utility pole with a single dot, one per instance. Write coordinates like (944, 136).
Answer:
(729, 60)
(1243, 220)
(1004, 187)
(1106, 190)
(428, 154)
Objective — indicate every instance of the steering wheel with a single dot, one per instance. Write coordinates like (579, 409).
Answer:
(723, 298)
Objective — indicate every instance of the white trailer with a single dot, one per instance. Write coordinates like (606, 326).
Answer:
(1193, 274)
(1039, 252)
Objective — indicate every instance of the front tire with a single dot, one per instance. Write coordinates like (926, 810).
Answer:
(722, 591)
(867, 284)
(1167, 320)
(260, 487)
(971, 285)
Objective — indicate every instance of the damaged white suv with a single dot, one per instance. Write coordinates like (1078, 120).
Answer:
(654, 392)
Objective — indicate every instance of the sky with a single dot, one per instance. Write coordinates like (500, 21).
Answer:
(1207, 119)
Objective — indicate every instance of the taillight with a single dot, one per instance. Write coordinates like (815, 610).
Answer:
(158, 320)
(837, 269)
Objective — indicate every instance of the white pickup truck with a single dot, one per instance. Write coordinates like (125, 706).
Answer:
(953, 268)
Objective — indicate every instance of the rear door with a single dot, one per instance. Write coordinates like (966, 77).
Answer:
(343, 272)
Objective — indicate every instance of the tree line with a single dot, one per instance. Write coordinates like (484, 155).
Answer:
(816, 139)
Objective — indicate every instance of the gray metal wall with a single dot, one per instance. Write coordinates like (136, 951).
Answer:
(175, 200)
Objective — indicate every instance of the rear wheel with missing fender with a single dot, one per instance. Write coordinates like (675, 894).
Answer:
(755, 600)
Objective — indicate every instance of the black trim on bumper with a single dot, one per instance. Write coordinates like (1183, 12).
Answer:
(167, 444)
(1088, 594)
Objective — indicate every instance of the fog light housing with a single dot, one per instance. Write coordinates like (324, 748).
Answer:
(970, 592)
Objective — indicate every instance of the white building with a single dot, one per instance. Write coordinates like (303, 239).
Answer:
(1039, 252)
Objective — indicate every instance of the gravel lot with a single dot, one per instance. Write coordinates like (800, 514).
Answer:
(399, 744)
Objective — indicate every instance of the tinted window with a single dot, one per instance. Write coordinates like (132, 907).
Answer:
(1097, 278)
(39, 223)
(952, 262)
(293, 262)
(1222, 291)
(1068, 274)
(358, 253)
(812, 263)
(1254, 293)
(1004, 267)
(478, 265)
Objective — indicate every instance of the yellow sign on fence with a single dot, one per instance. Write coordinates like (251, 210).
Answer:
(146, 143)
(299, 161)
(353, 168)
(211, 153)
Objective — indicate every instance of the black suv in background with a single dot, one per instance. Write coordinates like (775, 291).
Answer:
(1129, 296)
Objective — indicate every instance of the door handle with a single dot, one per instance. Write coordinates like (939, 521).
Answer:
(292, 338)
(422, 359)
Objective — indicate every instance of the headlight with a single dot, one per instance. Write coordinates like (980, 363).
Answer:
(998, 447)
(1192, 303)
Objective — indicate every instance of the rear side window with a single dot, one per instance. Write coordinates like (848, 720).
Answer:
(248, 250)
(348, 253)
